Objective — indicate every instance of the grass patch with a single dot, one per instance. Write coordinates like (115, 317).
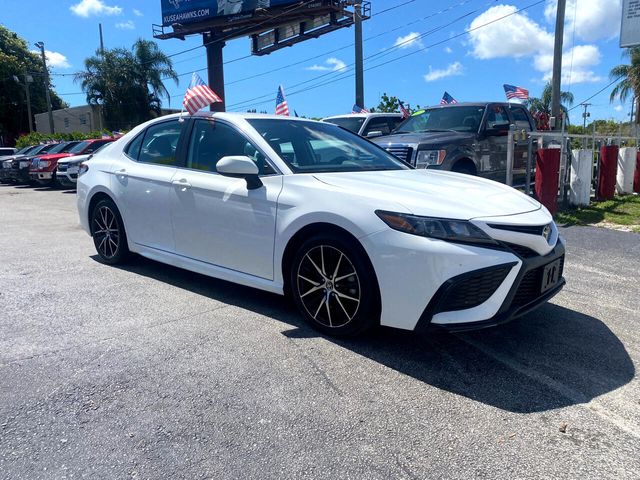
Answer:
(621, 211)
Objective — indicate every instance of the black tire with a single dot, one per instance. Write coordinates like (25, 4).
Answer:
(461, 167)
(329, 299)
(107, 230)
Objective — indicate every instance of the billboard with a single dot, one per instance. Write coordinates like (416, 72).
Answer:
(193, 11)
(630, 28)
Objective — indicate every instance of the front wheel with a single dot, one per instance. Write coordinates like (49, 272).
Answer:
(107, 230)
(334, 286)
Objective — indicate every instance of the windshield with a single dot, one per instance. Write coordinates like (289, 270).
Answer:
(47, 148)
(24, 150)
(309, 147)
(62, 147)
(79, 147)
(459, 119)
(350, 123)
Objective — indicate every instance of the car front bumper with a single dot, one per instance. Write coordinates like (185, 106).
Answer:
(413, 273)
(42, 177)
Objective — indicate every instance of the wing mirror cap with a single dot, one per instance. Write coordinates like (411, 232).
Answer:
(374, 134)
(240, 166)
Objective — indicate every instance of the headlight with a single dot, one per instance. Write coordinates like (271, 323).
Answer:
(43, 164)
(430, 157)
(440, 228)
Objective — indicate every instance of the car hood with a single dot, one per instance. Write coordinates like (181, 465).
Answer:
(434, 193)
(75, 159)
(422, 137)
(54, 156)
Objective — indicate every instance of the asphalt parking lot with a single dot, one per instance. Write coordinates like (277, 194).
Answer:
(149, 371)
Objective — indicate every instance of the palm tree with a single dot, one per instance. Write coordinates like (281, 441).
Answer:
(629, 76)
(542, 105)
(128, 85)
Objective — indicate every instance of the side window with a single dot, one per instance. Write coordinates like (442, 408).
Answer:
(133, 149)
(160, 142)
(521, 118)
(394, 122)
(211, 140)
(93, 147)
(379, 124)
(497, 116)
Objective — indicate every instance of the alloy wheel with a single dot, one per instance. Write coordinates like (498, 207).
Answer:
(328, 286)
(106, 232)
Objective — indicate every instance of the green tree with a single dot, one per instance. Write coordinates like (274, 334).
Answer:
(16, 60)
(128, 85)
(629, 76)
(542, 104)
(387, 105)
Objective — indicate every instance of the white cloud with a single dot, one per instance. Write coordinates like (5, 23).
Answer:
(515, 36)
(453, 69)
(594, 19)
(577, 64)
(409, 40)
(518, 36)
(332, 64)
(54, 59)
(618, 108)
(86, 8)
(448, 50)
(137, 12)
(128, 25)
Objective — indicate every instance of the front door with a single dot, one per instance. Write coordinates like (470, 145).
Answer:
(217, 219)
(143, 185)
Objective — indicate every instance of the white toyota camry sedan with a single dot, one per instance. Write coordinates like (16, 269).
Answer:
(304, 208)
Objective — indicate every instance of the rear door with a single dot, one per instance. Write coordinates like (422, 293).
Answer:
(494, 147)
(143, 184)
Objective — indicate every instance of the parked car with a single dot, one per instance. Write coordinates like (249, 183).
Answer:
(6, 163)
(368, 125)
(4, 151)
(354, 235)
(43, 167)
(67, 172)
(16, 167)
(468, 138)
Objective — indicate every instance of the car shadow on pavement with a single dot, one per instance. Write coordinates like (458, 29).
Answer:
(551, 358)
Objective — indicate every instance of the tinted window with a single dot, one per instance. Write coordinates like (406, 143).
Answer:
(160, 143)
(133, 149)
(350, 123)
(460, 119)
(211, 140)
(497, 115)
(93, 146)
(521, 118)
(79, 148)
(379, 124)
(321, 147)
(48, 148)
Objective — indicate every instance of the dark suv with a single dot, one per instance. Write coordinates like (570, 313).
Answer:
(466, 137)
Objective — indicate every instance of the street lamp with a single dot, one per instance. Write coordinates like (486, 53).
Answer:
(40, 45)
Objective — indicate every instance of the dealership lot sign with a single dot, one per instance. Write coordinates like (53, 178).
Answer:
(630, 28)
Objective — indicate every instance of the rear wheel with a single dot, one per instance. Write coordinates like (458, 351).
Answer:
(108, 232)
(334, 287)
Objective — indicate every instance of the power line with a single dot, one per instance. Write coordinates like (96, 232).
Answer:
(597, 93)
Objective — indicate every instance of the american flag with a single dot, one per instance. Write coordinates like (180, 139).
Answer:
(198, 95)
(358, 109)
(404, 111)
(447, 99)
(515, 92)
(281, 103)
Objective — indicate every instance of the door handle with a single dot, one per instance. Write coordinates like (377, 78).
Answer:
(182, 183)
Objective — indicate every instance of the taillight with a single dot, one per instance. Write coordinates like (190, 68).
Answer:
(82, 168)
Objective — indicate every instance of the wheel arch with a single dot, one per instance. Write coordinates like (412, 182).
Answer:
(309, 231)
(464, 163)
(93, 201)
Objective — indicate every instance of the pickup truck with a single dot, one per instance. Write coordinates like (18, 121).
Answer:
(367, 125)
(468, 138)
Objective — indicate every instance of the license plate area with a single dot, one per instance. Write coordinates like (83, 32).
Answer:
(550, 275)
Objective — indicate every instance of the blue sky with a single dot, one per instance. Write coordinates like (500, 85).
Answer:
(447, 45)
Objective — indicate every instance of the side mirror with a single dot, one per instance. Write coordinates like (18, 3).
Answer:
(498, 130)
(240, 167)
(374, 134)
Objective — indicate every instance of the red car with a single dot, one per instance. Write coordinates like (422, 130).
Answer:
(43, 168)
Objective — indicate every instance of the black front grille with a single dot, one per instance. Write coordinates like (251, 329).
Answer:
(472, 289)
(403, 153)
(531, 284)
(530, 229)
(521, 250)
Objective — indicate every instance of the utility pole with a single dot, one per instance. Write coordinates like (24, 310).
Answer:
(357, 13)
(215, 68)
(27, 80)
(557, 64)
(40, 45)
(101, 40)
(585, 115)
